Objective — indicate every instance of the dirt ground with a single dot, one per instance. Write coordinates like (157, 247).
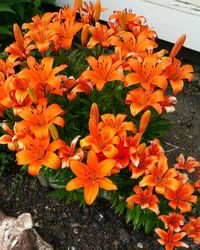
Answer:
(97, 227)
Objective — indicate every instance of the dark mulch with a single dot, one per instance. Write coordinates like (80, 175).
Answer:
(97, 227)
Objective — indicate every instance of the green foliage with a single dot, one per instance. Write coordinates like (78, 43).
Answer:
(6, 159)
(58, 179)
(137, 217)
(68, 197)
(159, 126)
(20, 11)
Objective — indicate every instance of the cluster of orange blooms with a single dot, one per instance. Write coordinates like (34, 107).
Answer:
(113, 143)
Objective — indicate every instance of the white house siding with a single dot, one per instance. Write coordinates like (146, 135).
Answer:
(170, 18)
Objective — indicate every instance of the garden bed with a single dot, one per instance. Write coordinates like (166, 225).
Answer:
(98, 127)
(97, 227)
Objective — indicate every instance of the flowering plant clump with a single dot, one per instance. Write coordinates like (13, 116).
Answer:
(83, 104)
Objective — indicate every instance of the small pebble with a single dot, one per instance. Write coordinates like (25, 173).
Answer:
(37, 224)
(140, 245)
(73, 248)
(35, 211)
(76, 230)
(73, 225)
(101, 216)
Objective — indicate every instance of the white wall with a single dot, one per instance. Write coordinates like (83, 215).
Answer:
(169, 20)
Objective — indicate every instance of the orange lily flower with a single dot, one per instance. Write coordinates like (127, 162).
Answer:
(38, 153)
(21, 47)
(67, 13)
(145, 198)
(167, 104)
(91, 176)
(67, 30)
(155, 148)
(67, 153)
(135, 46)
(161, 177)
(135, 147)
(138, 28)
(149, 73)
(103, 36)
(192, 229)
(80, 86)
(5, 100)
(17, 89)
(176, 74)
(129, 152)
(140, 99)
(122, 158)
(197, 183)
(43, 76)
(122, 19)
(190, 164)
(9, 138)
(100, 140)
(40, 117)
(42, 31)
(89, 9)
(182, 178)
(173, 220)
(145, 161)
(181, 198)
(117, 123)
(169, 239)
(104, 70)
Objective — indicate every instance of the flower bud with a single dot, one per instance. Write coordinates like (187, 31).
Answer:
(84, 34)
(144, 121)
(53, 131)
(177, 46)
(97, 10)
(18, 36)
(79, 2)
(32, 95)
(123, 20)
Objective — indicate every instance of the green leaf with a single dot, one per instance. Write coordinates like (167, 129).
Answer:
(20, 9)
(59, 193)
(52, 2)
(149, 225)
(6, 30)
(37, 3)
(6, 8)
(13, 2)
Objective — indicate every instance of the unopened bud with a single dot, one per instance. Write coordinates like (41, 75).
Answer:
(18, 36)
(32, 95)
(177, 46)
(84, 34)
(97, 10)
(144, 121)
(53, 131)
(94, 114)
(123, 20)
(79, 2)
